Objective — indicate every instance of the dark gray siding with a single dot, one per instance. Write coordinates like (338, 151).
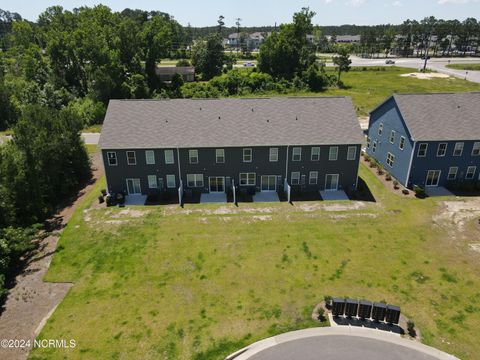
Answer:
(233, 166)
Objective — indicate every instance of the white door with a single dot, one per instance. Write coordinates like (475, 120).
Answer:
(331, 182)
(433, 177)
(217, 184)
(268, 182)
(133, 187)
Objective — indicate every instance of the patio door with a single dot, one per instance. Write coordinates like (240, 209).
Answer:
(268, 182)
(331, 182)
(133, 187)
(433, 177)
(217, 184)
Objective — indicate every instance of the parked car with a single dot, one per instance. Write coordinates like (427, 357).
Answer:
(248, 64)
(423, 57)
(389, 62)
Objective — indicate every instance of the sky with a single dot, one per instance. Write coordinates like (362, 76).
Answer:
(269, 12)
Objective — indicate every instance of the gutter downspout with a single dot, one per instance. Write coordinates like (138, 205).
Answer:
(410, 164)
(179, 168)
(286, 165)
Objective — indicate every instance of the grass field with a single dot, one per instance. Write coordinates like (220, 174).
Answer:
(473, 67)
(91, 148)
(199, 283)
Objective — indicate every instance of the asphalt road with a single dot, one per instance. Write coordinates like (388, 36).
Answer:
(336, 347)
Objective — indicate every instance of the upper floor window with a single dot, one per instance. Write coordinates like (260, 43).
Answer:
(442, 149)
(315, 155)
(470, 172)
(401, 144)
(247, 155)
(131, 158)
(390, 159)
(422, 150)
(476, 149)
(273, 156)
(150, 157)
(458, 151)
(392, 136)
(193, 156)
(169, 157)
(380, 129)
(112, 158)
(352, 153)
(295, 178)
(333, 153)
(247, 179)
(220, 156)
(368, 142)
(297, 154)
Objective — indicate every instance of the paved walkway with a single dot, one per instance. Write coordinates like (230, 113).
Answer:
(213, 198)
(270, 196)
(334, 343)
(91, 138)
(334, 195)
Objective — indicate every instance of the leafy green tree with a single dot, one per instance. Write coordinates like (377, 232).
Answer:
(208, 57)
(342, 61)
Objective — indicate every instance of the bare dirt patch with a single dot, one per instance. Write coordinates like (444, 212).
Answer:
(426, 76)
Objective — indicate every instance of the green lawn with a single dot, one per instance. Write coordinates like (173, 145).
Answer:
(474, 67)
(97, 128)
(91, 148)
(199, 283)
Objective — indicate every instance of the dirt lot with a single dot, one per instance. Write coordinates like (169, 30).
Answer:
(32, 301)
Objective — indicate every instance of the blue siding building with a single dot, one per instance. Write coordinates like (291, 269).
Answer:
(427, 139)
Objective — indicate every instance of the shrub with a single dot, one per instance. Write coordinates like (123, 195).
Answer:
(405, 192)
(380, 170)
(411, 328)
(419, 191)
(328, 300)
(395, 184)
(183, 62)
(388, 177)
(367, 157)
(321, 314)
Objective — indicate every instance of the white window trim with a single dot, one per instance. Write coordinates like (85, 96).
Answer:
(251, 155)
(380, 129)
(191, 156)
(461, 150)
(374, 146)
(445, 151)
(419, 148)
(134, 156)
(449, 172)
(299, 154)
(247, 177)
(369, 142)
(401, 143)
(153, 157)
(150, 177)
(197, 181)
(477, 143)
(473, 174)
(108, 158)
(292, 177)
(317, 155)
(222, 156)
(330, 158)
(273, 157)
(392, 136)
(168, 151)
(310, 178)
(354, 153)
(390, 159)
(174, 181)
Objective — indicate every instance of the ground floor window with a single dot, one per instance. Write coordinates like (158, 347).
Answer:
(433, 177)
(133, 186)
(195, 180)
(295, 178)
(331, 182)
(313, 178)
(470, 172)
(247, 179)
(452, 173)
(390, 159)
(374, 148)
(170, 181)
(152, 181)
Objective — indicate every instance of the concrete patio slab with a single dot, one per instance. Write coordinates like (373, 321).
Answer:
(334, 195)
(213, 198)
(266, 197)
(437, 191)
(135, 200)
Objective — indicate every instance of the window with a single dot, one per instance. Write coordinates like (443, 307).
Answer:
(169, 157)
(152, 181)
(297, 154)
(380, 129)
(295, 178)
(195, 180)
(220, 156)
(273, 154)
(374, 148)
(315, 155)
(392, 136)
(452, 173)
(333, 153)
(150, 157)
(193, 156)
(247, 179)
(131, 158)
(458, 149)
(313, 178)
(390, 159)
(112, 158)
(422, 150)
(401, 144)
(352, 153)
(476, 149)
(442, 149)
(247, 155)
(170, 181)
(368, 142)
(470, 172)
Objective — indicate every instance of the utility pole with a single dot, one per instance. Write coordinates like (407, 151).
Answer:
(239, 39)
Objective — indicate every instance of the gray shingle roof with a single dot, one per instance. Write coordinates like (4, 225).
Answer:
(433, 117)
(229, 123)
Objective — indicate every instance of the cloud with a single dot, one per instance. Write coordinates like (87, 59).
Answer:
(356, 2)
(442, 2)
(397, 3)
